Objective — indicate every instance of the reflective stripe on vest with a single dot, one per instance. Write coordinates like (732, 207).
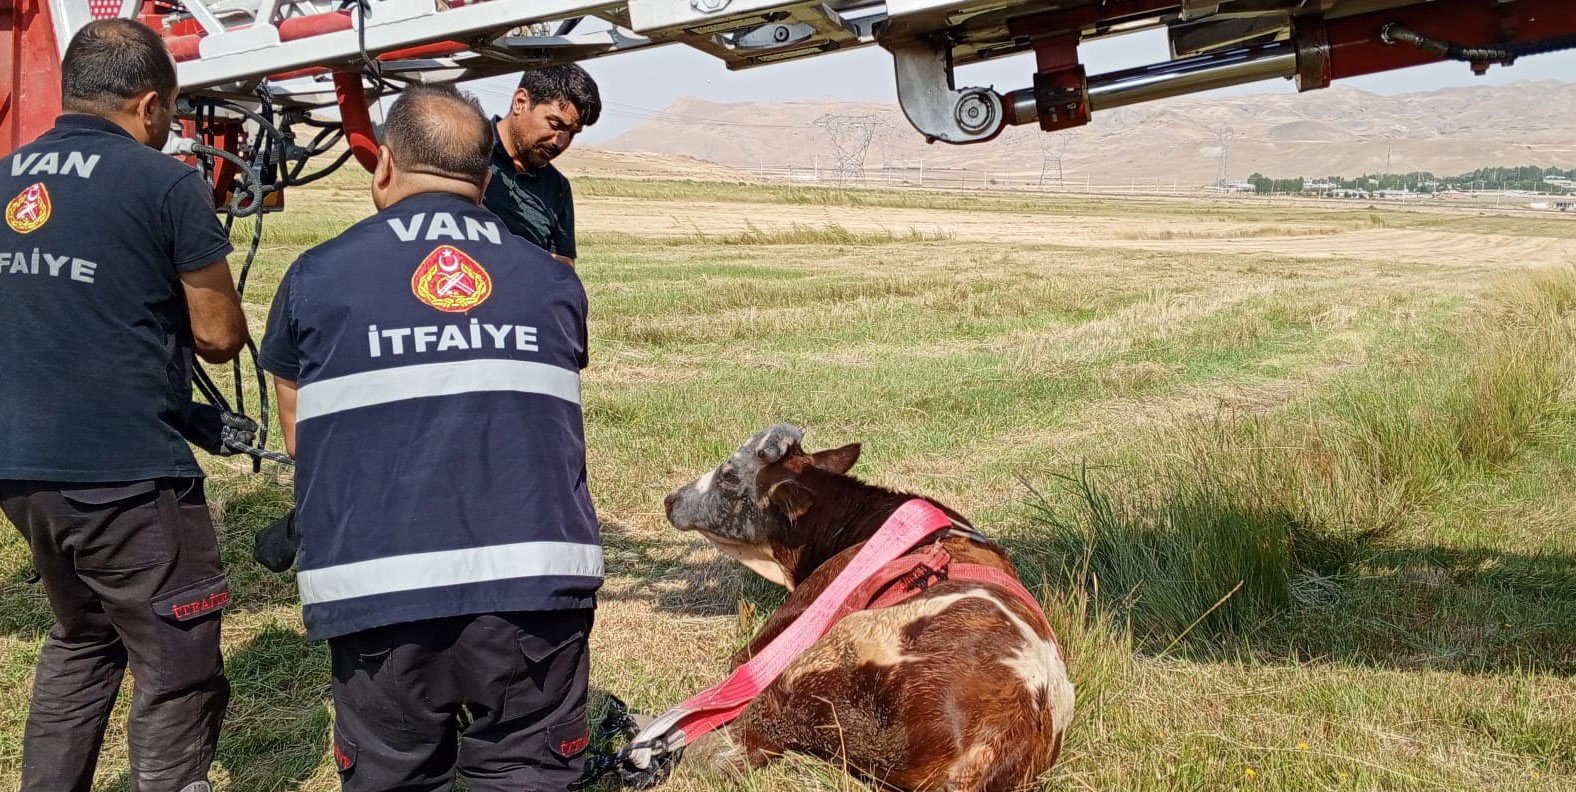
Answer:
(448, 568)
(338, 394)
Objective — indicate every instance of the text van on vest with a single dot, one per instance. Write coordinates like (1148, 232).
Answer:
(48, 164)
(443, 226)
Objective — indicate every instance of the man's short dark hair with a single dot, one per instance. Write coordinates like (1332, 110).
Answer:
(438, 129)
(111, 61)
(565, 82)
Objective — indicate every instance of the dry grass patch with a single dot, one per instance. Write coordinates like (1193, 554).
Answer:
(1401, 429)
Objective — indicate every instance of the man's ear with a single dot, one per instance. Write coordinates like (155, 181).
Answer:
(146, 106)
(837, 460)
(521, 102)
(383, 172)
(383, 178)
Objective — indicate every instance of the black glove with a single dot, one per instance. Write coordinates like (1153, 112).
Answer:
(275, 546)
(210, 428)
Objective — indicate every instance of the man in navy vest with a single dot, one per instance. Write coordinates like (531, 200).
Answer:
(428, 364)
(112, 275)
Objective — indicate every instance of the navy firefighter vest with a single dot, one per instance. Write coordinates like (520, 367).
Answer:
(440, 448)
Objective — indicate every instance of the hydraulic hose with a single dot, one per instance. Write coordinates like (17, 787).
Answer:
(255, 187)
(251, 181)
(1449, 50)
(297, 181)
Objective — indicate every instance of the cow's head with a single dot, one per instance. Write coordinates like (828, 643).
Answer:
(747, 505)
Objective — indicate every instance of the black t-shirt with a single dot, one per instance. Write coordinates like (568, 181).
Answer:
(95, 357)
(535, 204)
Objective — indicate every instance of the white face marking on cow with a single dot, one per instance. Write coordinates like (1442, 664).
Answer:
(703, 484)
(724, 501)
(758, 558)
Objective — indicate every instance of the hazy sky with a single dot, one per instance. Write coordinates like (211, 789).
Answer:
(636, 84)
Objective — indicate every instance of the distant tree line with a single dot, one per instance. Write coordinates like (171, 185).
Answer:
(1529, 178)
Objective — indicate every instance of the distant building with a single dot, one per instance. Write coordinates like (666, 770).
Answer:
(1236, 187)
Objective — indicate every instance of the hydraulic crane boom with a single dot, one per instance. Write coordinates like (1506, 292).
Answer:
(252, 72)
(255, 68)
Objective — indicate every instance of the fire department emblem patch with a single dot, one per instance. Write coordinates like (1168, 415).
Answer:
(29, 210)
(451, 281)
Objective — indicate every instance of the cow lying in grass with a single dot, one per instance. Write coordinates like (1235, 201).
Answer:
(961, 687)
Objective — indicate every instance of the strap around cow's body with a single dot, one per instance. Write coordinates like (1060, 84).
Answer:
(721, 703)
(981, 573)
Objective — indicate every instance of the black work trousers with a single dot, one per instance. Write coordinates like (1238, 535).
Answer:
(500, 697)
(133, 576)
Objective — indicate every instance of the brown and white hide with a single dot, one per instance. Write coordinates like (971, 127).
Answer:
(960, 688)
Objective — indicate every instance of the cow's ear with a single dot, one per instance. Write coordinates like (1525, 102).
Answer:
(837, 460)
(790, 497)
(777, 442)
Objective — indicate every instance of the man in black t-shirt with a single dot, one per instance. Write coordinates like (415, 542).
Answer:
(530, 195)
(112, 274)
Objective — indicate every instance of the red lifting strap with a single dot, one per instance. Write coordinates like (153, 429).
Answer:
(882, 573)
(721, 703)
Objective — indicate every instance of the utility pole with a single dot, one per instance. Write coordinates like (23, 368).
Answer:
(850, 137)
(1223, 137)
(1052, 147)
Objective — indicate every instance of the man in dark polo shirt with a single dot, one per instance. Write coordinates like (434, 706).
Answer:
(112, 273)
(532, 198)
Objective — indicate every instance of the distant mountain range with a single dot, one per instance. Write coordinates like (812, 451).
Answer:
(1340, 131)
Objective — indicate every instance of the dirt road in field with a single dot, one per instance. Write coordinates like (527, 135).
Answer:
(1313, 238)
(1439, 248)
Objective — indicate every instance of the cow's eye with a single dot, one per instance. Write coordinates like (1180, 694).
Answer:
(727, 474)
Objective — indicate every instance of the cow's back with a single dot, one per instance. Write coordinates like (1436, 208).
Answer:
(959, 688)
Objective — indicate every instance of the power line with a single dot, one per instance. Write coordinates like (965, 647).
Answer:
(635, 111)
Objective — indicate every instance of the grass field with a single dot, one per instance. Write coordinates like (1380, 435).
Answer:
(1297, 484)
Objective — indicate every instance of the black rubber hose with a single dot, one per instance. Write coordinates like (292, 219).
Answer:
(262, 382)
(262, 122)
(327, 169)
(332, 135)
(290, 176)
(1449, 50)
(202, 380)
(252, 182)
